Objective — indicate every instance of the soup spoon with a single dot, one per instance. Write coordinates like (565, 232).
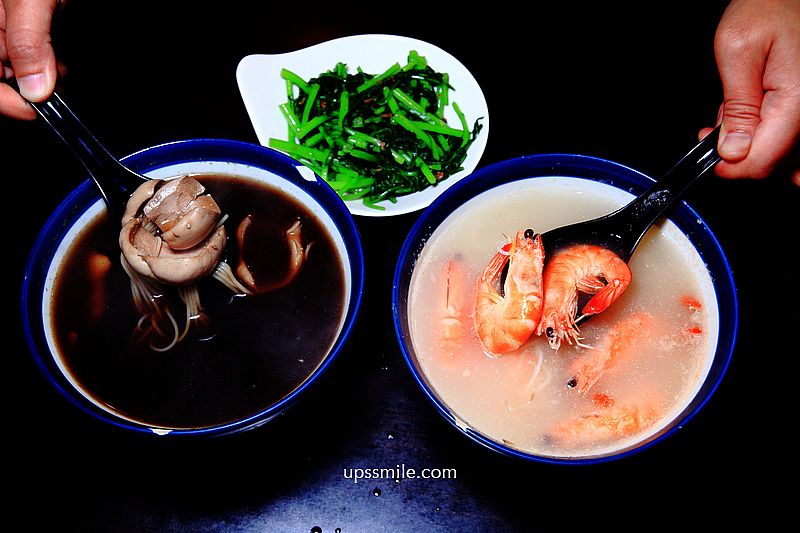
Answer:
(622, 230)
(115, 181)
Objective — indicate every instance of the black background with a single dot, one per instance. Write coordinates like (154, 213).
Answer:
(632, 84)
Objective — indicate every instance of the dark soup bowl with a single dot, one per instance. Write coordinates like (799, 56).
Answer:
(632, 375)
(216, 356)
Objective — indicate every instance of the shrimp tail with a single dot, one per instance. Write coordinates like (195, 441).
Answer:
(600, 301)
(496, 265)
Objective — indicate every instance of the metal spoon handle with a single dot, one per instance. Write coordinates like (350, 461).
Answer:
(645, 209)
(115, 181)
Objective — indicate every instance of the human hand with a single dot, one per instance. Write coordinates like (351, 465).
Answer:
(757, 47)
(26, 53)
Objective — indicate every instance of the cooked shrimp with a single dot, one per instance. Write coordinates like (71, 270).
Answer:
(590, 366)
(505, 321)
(585, 268)
(453, 307)
(617, 420)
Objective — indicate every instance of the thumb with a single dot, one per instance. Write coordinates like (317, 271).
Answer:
(29, 49)
(740, 116)
(741, 67)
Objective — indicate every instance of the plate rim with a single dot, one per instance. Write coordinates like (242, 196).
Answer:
(250, 64)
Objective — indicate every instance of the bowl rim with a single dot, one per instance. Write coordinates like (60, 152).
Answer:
(607, 172)
(152, 158)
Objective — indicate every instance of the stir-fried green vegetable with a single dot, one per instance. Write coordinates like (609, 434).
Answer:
(375, 137)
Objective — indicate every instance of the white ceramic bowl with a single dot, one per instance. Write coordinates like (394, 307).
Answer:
(263, 90)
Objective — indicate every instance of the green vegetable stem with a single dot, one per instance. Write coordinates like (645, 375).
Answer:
(375, 137)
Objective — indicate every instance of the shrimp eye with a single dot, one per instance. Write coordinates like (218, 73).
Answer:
(572, 383)
(529, 233)
(550, 332)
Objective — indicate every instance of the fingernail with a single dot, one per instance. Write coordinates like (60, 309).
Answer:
(33, 87)
(735, 145)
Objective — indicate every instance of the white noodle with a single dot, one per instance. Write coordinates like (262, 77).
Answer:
(175, 338)
(531, 386)
(224, 274)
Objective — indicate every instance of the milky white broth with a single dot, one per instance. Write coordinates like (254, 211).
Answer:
(504, 398)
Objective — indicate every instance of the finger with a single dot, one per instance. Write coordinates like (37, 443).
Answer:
(28, 46)
(703, 133)
(3, 53)
(12, 105)
(741, 59)
(775, 137)
(779, 129)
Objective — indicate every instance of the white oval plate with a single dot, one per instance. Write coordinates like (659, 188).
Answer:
(263, 90)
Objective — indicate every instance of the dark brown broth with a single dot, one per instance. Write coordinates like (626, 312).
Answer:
(252, 352)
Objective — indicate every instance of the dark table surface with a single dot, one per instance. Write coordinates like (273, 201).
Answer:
(629, 84)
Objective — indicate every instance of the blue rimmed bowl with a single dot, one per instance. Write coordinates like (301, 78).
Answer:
(625, 183)
(216, 156)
